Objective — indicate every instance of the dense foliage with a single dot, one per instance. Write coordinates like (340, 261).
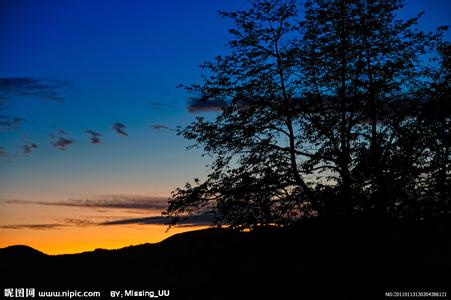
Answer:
(343, 111)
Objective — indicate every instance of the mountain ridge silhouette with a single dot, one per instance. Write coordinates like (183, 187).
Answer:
(341, 258)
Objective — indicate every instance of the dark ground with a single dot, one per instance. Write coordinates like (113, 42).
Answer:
(315, 259)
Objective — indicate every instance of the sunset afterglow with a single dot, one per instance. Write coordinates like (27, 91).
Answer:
(89, 108)
(61, 229)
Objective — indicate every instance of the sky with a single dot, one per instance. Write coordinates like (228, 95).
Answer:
(88, 104)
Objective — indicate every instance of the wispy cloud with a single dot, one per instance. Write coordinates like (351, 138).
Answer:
(60, 141)
(3, 152)
(78, 222)
(201, 220)
(205, 105)
(13, 87)
(160, 106)
(161, 127)
(32, 226)
(106, 201)
(119, 128)
(29, 86)
(125, 205)
(28, 148)
(94, 137)
(10, 123)
(39, 226)
(160, 220)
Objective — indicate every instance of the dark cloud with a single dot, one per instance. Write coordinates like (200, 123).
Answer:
(205, 105)
(160, 127)
(60, 141)
(160, 220)
(10, 123)
(120, 129)
(28, 148)
(107, 201)
(94, 137)
(29, 86)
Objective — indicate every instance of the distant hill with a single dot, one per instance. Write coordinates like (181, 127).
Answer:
(20, 252)
(342, 259)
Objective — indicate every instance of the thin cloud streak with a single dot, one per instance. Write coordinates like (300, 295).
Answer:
(161, 127)
(201, 220)
(147, 204)
(67, 223)
(161, 106)
(119, 128)
(94, 137)
(106, 201)
(32, 226)
(29, 86)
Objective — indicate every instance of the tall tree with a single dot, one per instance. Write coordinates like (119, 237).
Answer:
(366, 75)
(333, 96)
(255, 178)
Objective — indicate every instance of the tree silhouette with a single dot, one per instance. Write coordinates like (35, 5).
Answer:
(256, 177)
(365, 76)
(435, 123)
(324, 115)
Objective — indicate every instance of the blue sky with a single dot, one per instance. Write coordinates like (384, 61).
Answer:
(119, 58)
(112, 61)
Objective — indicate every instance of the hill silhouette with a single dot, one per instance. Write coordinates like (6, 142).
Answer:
(352, 259)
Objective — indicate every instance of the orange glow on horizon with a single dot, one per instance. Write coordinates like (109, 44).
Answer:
(59, 229)
(80, 239)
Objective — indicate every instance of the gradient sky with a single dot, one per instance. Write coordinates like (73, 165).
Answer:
(92, 64)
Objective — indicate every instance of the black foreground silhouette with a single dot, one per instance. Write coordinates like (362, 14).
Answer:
(353, 259)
